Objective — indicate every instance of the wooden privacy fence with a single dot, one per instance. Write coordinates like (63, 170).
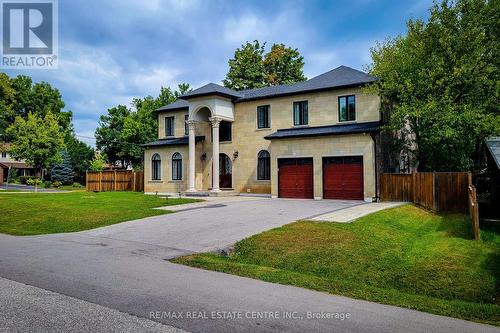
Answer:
(439, 191)
(115, 180)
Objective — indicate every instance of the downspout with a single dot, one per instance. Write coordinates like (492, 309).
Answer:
(377, 192)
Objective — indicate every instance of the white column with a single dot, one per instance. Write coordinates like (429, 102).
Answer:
(215, 153)
(192, 155)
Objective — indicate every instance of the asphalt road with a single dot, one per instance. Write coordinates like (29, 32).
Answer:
(26, 308)
(123, 267)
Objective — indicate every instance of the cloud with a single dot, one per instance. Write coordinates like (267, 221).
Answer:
(114, 51)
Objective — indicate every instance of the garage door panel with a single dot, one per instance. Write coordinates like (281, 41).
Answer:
(343, 178)
(295, 178)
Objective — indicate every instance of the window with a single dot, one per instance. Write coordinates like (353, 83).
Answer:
(186, 126)
(300, 113)
(263, 120)
(156, 167)
(347, 108)
(263, 165)
(176, 166)
(169, 126)
(4, 154)
(225, 131)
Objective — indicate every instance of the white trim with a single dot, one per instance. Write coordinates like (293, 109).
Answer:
(318, 198)
(298, 156)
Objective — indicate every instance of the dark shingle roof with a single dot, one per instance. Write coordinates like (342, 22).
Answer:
(172, 141)
(342, 76)
(213, 89)
(178, 104)
(493, 145)
(339, 77)
(298, 132)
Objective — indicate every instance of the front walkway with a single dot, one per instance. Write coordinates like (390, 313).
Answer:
(350, 214)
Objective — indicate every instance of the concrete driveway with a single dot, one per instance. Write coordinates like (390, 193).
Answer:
(122, 267)
(219, 224)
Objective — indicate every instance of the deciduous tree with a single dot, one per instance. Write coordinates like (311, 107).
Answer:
(439, 84)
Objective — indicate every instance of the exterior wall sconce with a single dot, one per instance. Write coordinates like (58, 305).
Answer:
(203, 156)
(235, 154)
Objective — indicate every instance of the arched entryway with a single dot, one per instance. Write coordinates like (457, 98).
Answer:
(225, 171)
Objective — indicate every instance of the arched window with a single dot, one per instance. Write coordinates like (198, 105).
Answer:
(156, 167)
(263, 165)
(176, 166)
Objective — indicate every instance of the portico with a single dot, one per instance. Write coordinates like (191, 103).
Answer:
(207, 106)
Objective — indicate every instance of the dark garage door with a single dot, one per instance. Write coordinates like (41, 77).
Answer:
(295, 178)
(343, 177)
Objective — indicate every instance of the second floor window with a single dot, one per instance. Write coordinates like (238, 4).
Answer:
(4, 154)
(300, 113)
(225, 131)
(169, 126)
(263, 117)
(186, 126)
(347, 108)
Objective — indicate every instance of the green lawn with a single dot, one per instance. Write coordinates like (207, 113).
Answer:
(44, 213)
(404, 256)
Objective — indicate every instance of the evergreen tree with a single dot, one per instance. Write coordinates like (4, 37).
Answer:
(63, 172)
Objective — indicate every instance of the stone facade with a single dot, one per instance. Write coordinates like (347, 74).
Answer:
(248, 140)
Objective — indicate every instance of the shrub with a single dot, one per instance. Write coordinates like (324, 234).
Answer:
(24, 179)
(56, 184)
(33, 181)
(77, 185)
(47, 184)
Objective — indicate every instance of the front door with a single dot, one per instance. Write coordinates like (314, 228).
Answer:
(225, 172)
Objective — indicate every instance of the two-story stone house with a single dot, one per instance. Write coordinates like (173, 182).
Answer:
(314, 139)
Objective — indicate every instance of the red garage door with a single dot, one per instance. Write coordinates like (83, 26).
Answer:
(343, 177)
(295, 178)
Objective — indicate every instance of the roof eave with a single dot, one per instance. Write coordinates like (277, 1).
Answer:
(172, 109)
(188, 97)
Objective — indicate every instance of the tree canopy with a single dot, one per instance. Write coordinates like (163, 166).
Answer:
(37, 140)
(252, 67)
(123, 129)
(439, 84)
(19, 97)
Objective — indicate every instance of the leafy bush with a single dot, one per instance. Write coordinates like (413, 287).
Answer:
(33, 181)
(77, 185)
(24, 179)
(56, 184)
(47, 184)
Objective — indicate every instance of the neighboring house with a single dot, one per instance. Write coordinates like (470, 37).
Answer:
(493, 160)
(314, 139)
(7, 162)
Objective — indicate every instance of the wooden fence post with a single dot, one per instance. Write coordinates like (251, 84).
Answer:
(87, 180)
(114, 181)
(100, 181)
(133, 181)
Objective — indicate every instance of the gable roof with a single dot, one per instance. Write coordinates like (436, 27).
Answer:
(297, 132)
(340, 77)
(493, 145)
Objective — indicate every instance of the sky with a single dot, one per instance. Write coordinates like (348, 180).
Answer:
(115, 50)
